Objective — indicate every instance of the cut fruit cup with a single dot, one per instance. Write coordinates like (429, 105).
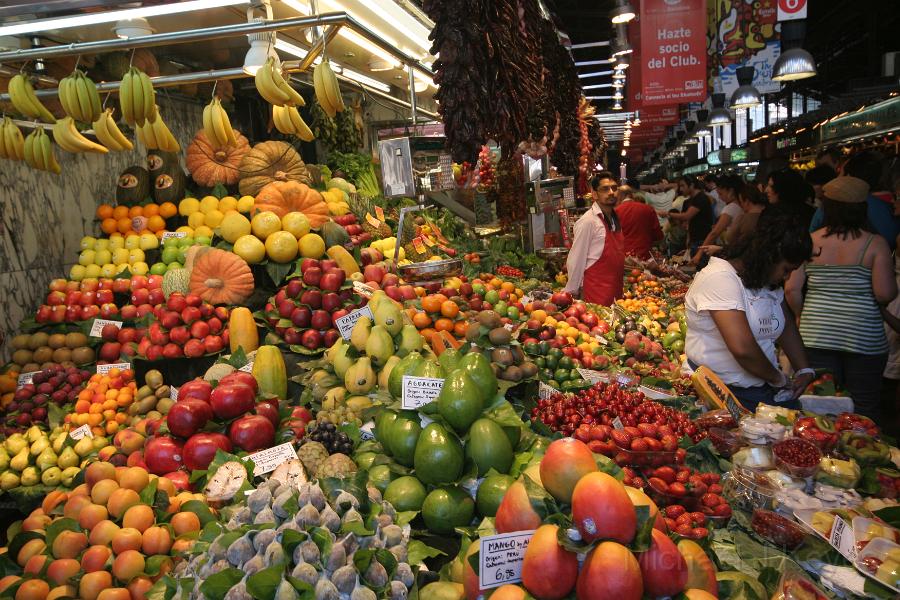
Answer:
(866, 530)
(748, 489)
(777, 530)
(797, 457)
(796, 586)
(880, 560)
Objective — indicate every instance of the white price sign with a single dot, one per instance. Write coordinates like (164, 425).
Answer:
(617, 423)
(592, 376)
(25, 378)
(500, 558)
(345, 324)
(248, 368)
(173, 234)
(84, 430)
(99, 324)
(419, 391)
(362, 289)
(366, 431)
(104, 369)
(789, 10)
(266, 461)
(545, 391)
(842, 539)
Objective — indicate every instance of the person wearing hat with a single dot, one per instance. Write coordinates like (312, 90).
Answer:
(840, 292)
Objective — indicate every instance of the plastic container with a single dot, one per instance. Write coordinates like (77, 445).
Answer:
(777, 530)
(716, 418)
(726, 442)
(749, 490)
(880, 560)
(866, 530)
(839, 473)
(689, 501)
(754, 457)
(760, 431)
(796, 586)
(786, 461)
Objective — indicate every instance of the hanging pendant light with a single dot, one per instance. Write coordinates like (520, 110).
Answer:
(620, 44)
(746, 96)
(719, 115)
(623, 12)
(702, 123)
(794, 62)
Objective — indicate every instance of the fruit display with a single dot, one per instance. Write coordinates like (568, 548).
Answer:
(31, 352)
(185, 326)
(57, 385)
(103, 403)
(36, 457)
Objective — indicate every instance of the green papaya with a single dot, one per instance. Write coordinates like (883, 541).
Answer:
(385, 372)
(379, 346)
(449, 359)
(410, 340)
(479, 369)
(388, 315)
(459, 402)
(360, 333)
(488, 447)
(405, 367)
(403, 435)
(439, 456)
(383, 422)
(342, 360)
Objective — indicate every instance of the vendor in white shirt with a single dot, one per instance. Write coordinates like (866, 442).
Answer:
(736, 315)
(596, 262)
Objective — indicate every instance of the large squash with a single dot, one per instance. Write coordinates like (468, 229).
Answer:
(220, 277)
(271, 161)
(242, 332)
(133, 186)
(210, 167)
(282, 197)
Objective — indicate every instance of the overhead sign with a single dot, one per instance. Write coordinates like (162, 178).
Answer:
(673, 52)
(746, 33)
(658, 116)
(789, 10)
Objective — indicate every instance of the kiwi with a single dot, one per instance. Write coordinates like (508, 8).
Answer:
(44, 354)
(518, 355)
(512, 373)
(502, 356)
(529, 369)
(22, 357)
(47, 365)
(67, 364)
(473, 332)
(500, 336)
(37, 340)
(31, 367)
(57, 340)
(489, 318)
(62, 355)
(83, 355)
(20, 342)
(76, 339)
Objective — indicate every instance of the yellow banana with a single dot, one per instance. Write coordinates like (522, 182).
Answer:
(208, 127)
(218, 125)
(84, 100)
(25, 101)
(139, 136)
(266, 86)
(4, 153)
(149, 97)
(114, 130)
(301, 129)
(149, 135)
(292, 96)
(278, 120)
(104, 135)
(28, 150)
(226, 123)
(66, 96)
(137, 98)
(65, 131)
(49, 159)
(332, 87)
(321, 94)
(96, 108)
(15, 143)
(164, 138)
(126, 101)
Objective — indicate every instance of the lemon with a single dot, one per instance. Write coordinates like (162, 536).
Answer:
(296, 223)
(76, 273)
(136, 255)
(188, 206)
(265, 224)
(203, 231)
(233, 226)
(86, 257)
(186, 229)
(311, 245)
(281, 246)
(87, 242)
(119, 256)
(209, 203)
(196, 219)
(102, 244)
(213, 218)
(228, 203)
(101, 257)
(250, 248)
(140, 268)
(148, 241)
(108, 270)
(92, 271)
(245, 204)
(132, 241)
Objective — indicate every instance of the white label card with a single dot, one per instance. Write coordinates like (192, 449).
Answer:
(104, 369)
(500, 558)
(419, 391)
(84, 430)
(545, 391)
(365, 431)
(362, 289)
(99, 324)
(173, 392)
(25, 378)
(592, 376)
(345, 324)
(173, 234)
(266, 461)
(617, 423)
(842, 539)
(248, 368)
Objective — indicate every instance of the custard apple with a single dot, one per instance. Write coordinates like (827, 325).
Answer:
(337, 465)
(312, 455)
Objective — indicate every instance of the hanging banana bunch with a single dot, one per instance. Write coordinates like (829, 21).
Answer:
(109, 134)
(137, 97)
(274, 89)
(216, 125)
(12, 144)
(25, 101)
(328, 92)
(70, 139)
(155, 135)
(38, 152)
(79, 98)
(289, 122)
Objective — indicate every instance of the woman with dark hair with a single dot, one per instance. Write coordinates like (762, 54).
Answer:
(736, 313)
(752, 204)
(728, 187)
(847, 282)
(788, 192)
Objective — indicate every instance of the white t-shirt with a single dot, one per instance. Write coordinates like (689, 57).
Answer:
(718, 287)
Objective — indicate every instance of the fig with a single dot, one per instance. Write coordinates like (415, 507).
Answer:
(259, 499)
(262, 539)
(345, 578)
(278, 506)
(240, 551)
(265, 516)
(404, 574)
(305, 572)
(392, 535)
(398, 591)
(327, 518)
(325, 590)
(308, 516)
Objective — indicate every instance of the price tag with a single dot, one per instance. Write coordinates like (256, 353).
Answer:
(266, 461)
(25, 378)
(104, 369)
(545, 391)
(842, 539)
(248, 368)
(592, 376)
(617, 423)
(736, 411)
(84, 430)
(365, 431)
(362, 289)
(603, 341)
(99, 324)
(500, 558)
(345, 324)
(173, 392)
(419, 391)
(173, 234)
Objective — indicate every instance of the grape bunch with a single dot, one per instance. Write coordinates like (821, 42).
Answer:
(326, 433)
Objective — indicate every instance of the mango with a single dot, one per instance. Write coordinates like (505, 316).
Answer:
(446, 508)
(403, 436)
(602, 509)
(701, 570)
(663, 568)
(549, 571)
(515, 512)
(610, 570)
(566, 461)
(443, 590)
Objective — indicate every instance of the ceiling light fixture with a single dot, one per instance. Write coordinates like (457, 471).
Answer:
(95, 18)
(365, 80)
(621, 62)
(130, 28)
(794, 62)
(745, 96)
(617, 106)
(262, 46)
(623, 12)
(719, 115)
(619, 74)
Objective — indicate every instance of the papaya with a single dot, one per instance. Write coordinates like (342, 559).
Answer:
(714, 392)
(385, 372)
(479, 369)
(341, 361)
(360, 378)
(242, 332)
(343, 258)
(379, 346)
(405, 367)
(360, 333)
(488, 447)
(460, 402)
(270, 372)
(403, 435)
(410, 340)
(389, 316)
(439, 456)
(334, 234)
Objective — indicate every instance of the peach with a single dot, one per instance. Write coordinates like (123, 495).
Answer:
(92, 584)
(128, 441)
(121, 500)
(139, 516)
(602, 509)
(185, 522)
(166, 485)
(697, 594)
(134, 478)
(639, 498)
(663, 568)
(35, 522)
(81, 490)
(610, 570)
(701, 570)
(8, 581)
(103, 533)
(62, 570)
(94, 558)
(182, 544)
(515, 512)
(565, 462)
(92, 514)
(114, 594)
(549, 572)
(128, 565)
(102, 490)
(29, 549)
(136, 459)
(62, 591)
(35, 564)
(52, 500)
(74, 505)
(98, 471)
(105, 454)
(156, 540)
(139, 587)
(33, 589)
(127, 538)
(69, 544)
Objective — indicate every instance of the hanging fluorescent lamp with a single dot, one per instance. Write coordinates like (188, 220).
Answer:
(794, 62)
(130, 28)
(702, 123)
(261, 48)
(719, 115)
(619, 74)
(620, 44)
(623, 12)
(620, 63)
(745, 96)
(367, 81)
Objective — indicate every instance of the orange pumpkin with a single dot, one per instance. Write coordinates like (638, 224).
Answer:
(271, 161)
(209, 166)
(282, 197)
(220, 277)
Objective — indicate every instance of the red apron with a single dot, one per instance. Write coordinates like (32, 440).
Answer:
(604, 279)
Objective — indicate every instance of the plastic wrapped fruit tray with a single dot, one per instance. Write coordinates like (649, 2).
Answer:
(880, 560)
(649, 458)
(748, 489)
(777, 530)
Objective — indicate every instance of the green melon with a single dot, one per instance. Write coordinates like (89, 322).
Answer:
(176, 280)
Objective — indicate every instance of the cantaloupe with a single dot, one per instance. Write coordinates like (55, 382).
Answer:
(176, 280)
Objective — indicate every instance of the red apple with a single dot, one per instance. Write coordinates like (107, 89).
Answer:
(232, 400)
(163, 454)
(138, 282)
(312, 276)
(320, 320)
(332, 280)
(301, 316)
(196, 388)
(171, 350)
(213, 344)
(201, 448)
(156, 296)
(252, 432)
(215, 325)
(312, 298)
(179, 335)
(176, 302)
(294, 288)
(194, 348)
(309, 263)
(240, 378)
(190, 314)
(200, 330)
(373, 273)
(311, 339)
(268, 409)
(330, 302)
(187, 417)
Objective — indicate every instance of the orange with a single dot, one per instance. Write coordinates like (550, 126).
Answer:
(135, 211)
(449, 309)
(104, 211)
(119, 212)
(156, 223)
(443, 325)
(508, 287)
(151, 210)
(123, 225)
(460, 328)
(421, 320)
(432, 303)
(108, 225)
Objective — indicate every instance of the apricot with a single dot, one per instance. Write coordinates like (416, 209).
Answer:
(128, 565)
(81, 490)
(182, 545)
(139, 516)
(33, 589)
(134, 478)
(62, 591)
(185, 522)
(94, 558)
(93, 583)
(156, 540)
(114, 594)
(62, 570)
(35, 522)
(139, 587)
(35, 564)
(92, 514)
(29, 549)
(69, 544)
(121, 500)
(52, 500)
(99, 471)
(165, 484)
(102, 490)
(75, 504)
(8, 581)
(127, 538)
(103, 533)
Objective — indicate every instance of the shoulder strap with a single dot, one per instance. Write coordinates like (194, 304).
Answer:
(865, 249)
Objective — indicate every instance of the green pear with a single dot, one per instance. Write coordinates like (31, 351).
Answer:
(68, 458)
(58, 443)
(9, 480)
(51, 476)
(30, 476)
(39, 445)
(46, 459)
(100, 441)
(15, 443)
(20, 461)
(69, 474)
(34, 433)
(4, 459)
(84, 446)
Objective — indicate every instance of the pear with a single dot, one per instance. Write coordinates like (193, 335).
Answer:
(8, 481)
(39, 446)
(30, 476)
(20, 461)
(51, 476)
(388, 315)
(335, 347)
(69, 474)
(386, 370)
(101, 441)
(360, 333)
(46, 459)
(342, 360)
(4, 459)
(57, 443)
(68, 458)
(84, 446)
(15, 443)
(34, 433)
(378, 296)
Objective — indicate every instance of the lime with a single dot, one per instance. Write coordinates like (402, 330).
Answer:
(380, 476)
(169, 254)
(447, 508)
(405, 493)
(186, 242)
(490, 494)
